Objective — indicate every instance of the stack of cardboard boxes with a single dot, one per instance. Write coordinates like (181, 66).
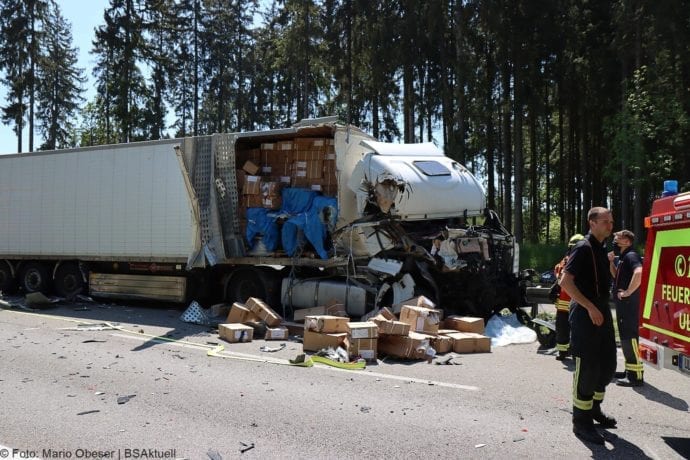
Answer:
(419, 333)
(242, 319)
(304, 162)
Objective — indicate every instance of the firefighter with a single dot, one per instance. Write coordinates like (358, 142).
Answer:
(563, 305)
(626, 296)
(592, 339)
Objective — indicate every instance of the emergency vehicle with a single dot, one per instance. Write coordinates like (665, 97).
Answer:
(665, 289)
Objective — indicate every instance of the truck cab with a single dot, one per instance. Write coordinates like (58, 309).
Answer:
(665, 289)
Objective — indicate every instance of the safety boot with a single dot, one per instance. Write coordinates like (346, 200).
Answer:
(630, 380)
(583, 427)
(601, 418)
(561, 356)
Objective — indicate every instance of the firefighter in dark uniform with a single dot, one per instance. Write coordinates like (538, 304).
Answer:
(563, 304)
(626, 296)
(592, 340)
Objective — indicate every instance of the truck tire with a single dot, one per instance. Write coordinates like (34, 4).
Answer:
(34, 277)
(69, 281)
(7, 281)
(244, 284)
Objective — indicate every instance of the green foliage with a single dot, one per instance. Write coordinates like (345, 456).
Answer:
(541, 257)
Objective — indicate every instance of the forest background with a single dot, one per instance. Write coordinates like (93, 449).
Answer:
(556, 105)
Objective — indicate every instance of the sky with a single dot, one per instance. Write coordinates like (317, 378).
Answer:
(84, 17)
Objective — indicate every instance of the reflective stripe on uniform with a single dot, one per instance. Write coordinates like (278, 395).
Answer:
(637, 367)
(599, 395)
(579, 403)
(563, 305)
(562, 346)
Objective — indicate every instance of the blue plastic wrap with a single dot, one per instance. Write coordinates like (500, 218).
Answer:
(262, 221)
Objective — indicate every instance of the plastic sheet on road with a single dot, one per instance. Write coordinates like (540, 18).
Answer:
(505, 330)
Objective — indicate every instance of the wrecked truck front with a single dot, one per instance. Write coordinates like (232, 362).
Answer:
(422, 224)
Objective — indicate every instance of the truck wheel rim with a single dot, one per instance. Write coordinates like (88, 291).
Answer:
(33, 280)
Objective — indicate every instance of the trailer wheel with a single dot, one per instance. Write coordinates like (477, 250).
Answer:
(244, 284)
(69, 281)
(35, 278)
(7, 282)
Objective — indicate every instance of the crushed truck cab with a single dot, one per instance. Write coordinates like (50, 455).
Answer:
(665, 290)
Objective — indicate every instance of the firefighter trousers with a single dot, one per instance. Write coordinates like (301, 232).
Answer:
(562, 329)
(594, 350)
(627, 318)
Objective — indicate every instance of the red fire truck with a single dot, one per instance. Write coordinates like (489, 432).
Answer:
(665, 290)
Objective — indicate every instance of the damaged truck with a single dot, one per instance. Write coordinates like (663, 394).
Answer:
(304, 216)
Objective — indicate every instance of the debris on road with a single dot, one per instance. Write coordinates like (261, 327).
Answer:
(88, 412)
(268, 349)
(194, 314)
(245, 446)
(38, 299)
(124, 399)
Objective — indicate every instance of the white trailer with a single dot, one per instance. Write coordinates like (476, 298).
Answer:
(168, 220)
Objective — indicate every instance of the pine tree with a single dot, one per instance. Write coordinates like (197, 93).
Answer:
(14, 61)
(59, 92)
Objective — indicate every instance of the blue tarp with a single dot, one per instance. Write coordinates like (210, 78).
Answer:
(312, 224)
(262, 221)
(310, 216)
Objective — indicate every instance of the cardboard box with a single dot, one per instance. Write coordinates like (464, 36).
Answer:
(326, 323)
(362, 348)
(465, 324)
(420, 301)
(362, 330)
(442, 344)
(252, 201)
(267, 147)
(272, 202)
(252, 185)
(277, 333)
(390, 327)
(235, 333)
(264, 312)
(300, 181)
(241, 176)
(331, 310)
(239, 313)
(412, 346)
(420, 319)
(470, 342)
(251, 168)
(315, 341)
(271, 188)
(285, 145)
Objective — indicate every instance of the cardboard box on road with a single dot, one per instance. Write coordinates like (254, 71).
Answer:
(326, 323)
(420, 319)
(240, 314)
(315, 341)
(264, 312)
(362, 330)
(235, 333)
(277, 333)
(332, 310)
(470, 342)
(362, 348)
(412, 346)
(465, 324)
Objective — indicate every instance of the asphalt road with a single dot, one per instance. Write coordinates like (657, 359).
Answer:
(79, 393)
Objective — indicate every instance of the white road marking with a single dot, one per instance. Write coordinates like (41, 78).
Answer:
(260, 358)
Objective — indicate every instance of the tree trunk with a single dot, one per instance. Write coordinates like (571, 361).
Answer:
(507, 149)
